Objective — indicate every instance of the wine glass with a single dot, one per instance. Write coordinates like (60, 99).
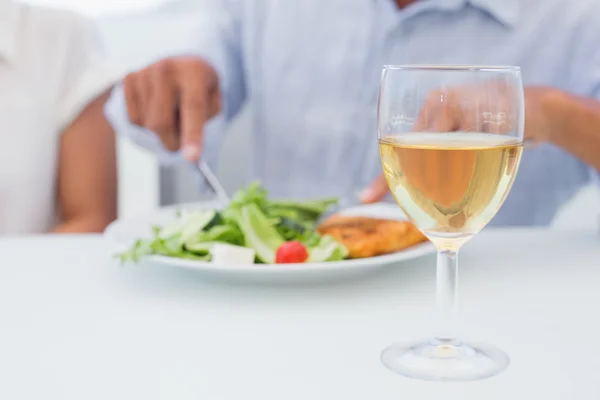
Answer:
(450, 140)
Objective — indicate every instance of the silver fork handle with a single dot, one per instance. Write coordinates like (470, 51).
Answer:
(213, 182)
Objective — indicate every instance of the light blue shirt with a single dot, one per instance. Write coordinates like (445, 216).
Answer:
(310, 70)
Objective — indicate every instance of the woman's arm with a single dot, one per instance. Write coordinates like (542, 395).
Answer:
(87, 175)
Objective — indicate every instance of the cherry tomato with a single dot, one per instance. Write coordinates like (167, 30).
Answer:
(291, 252)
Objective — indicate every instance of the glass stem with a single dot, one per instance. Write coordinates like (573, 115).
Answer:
(447, 293)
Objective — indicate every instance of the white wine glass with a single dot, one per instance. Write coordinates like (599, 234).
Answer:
(450, 140)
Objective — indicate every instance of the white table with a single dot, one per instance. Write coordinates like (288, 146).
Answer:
(76, 325)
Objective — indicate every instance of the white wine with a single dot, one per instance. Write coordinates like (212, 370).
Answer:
(450, 184)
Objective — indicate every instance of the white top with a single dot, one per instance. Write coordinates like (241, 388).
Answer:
(51, 67)
(76, 325)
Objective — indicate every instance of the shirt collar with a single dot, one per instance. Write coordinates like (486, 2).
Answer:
(504, 11)
(9, 21)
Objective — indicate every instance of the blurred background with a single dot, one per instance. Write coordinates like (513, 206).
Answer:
(136, 32)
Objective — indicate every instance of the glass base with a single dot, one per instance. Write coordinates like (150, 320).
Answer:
(445, 360)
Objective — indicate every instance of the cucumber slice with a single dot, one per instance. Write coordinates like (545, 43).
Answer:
(200, 248)
(171, 229)
(189, 224)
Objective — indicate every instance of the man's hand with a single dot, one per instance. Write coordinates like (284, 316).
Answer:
(452, 110)
(174, 98)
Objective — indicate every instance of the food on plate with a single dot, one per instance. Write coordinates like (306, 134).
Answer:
(368, 237)
(223, 253)
(291, 252)
(269, 228)
(253, 228)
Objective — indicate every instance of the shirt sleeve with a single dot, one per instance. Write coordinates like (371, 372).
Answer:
(595, 94)
(595, 177)
(216, 38)
(594, 173)
(586, 63)
(87, 72)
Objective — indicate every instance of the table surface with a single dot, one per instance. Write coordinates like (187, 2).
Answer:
(76, 325)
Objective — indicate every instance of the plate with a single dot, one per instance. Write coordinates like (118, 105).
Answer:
(124, 232)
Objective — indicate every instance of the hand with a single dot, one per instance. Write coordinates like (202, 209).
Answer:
(449, 115)
(174, 98)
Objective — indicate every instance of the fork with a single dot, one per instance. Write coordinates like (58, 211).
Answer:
(202, 167)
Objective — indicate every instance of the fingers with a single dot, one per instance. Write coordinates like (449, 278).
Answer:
(466, 110)
(148, 93)
(162, 104)
(376, 191)
(440, 113)
(145, 97)
(174, 98)
(193, 114)
(130, 91)
(199, 101)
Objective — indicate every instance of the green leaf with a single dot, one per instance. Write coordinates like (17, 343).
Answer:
(228, 233)
(140, 248)
(253, 194)
(171, 247)
(309, 207)
(259, 233)
(200, 248)
(328, 249)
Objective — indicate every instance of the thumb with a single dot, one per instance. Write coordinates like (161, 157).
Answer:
(375, 191)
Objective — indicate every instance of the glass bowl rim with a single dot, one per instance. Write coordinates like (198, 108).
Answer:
(452, 67)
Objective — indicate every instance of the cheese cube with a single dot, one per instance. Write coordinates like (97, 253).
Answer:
(227, 254)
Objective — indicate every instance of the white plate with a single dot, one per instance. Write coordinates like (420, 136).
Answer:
(124, 232)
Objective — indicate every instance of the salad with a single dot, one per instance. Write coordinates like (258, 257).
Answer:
(251, 229)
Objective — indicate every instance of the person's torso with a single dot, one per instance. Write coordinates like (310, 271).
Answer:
(313, 69)
(30, 81)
